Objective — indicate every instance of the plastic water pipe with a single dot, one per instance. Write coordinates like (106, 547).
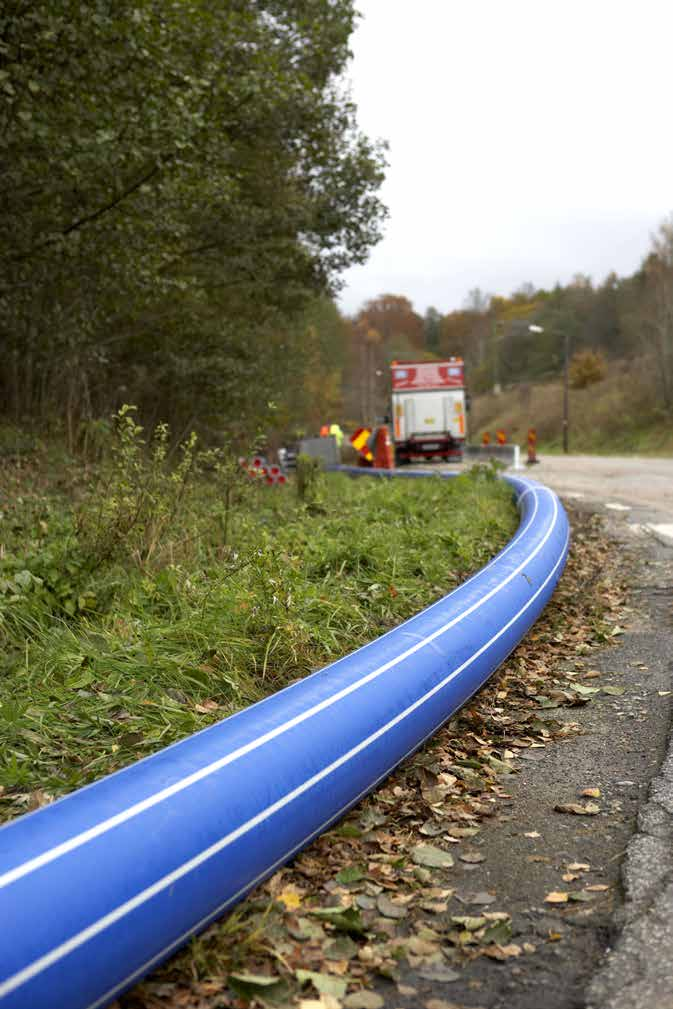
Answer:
(101, 886)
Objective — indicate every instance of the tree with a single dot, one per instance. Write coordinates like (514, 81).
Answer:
(393, 316)
(431, 329)
(177, 182)
(477, 301)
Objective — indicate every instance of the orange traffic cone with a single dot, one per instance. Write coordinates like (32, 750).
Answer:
(384, 457)
(532, 447)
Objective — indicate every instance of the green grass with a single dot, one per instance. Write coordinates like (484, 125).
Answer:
(103, 662)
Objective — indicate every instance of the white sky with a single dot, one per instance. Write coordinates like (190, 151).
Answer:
(529, 140)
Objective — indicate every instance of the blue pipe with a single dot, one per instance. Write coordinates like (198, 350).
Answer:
(101, 886)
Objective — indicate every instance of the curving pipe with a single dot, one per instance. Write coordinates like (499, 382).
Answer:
(101, 886)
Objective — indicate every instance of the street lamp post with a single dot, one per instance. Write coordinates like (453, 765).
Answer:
(566, 362)
(498, 331)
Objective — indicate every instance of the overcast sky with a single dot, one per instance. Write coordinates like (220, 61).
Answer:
(529, 140)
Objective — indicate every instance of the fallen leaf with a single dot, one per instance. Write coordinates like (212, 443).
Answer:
(597, 887)
(578, 866)
(256, 980)
(324, 1002)
(498, 933)
(469, 922)
(473, 857)
(345, 919)
(206, 706)
(583, 691)
(497, 952)
(341, 948)
(579, 895)
(350, 874)
(432, 829)
(481, 897)
(591, 793)
(326, 984)
(568, 877)
(528, 947)
(588, 809)
(532, 833)
(389, 909)
(363, 1000)
(427, 854)
(557, 897)
(439, 974)
(250, 986)
(614, 691)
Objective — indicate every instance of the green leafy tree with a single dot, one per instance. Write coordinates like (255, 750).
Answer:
(177, 180)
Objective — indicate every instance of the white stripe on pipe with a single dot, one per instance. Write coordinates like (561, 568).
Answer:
(46, 857)
(61, 951)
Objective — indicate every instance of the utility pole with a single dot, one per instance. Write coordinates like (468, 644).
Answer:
(566, 367)
(566, 362)
(498, 333)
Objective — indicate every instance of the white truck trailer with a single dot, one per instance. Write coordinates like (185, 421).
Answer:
(429, 418)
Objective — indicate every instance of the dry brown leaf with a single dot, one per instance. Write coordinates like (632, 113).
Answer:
(588, 809)
(497, 952)
(557, 897)
(472, 857)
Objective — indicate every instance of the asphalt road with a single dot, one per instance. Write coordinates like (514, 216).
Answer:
(637, 493)
(631, 753)
(638, 484)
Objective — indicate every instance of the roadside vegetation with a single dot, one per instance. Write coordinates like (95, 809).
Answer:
(616, 414)
(142, 599)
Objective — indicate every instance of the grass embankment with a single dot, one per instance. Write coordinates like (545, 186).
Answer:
(618, 415)
(138, 606)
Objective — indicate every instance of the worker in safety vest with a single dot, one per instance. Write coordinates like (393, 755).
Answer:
(335, 430)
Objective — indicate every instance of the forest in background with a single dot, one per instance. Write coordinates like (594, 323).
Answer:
(625, 319)
(182, 185)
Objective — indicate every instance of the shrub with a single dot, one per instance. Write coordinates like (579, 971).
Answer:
(139, 501)
(586, 368)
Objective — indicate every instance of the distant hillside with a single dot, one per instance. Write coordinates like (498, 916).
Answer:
(617, 414)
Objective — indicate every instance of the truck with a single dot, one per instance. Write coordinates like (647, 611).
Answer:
(428, 409)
